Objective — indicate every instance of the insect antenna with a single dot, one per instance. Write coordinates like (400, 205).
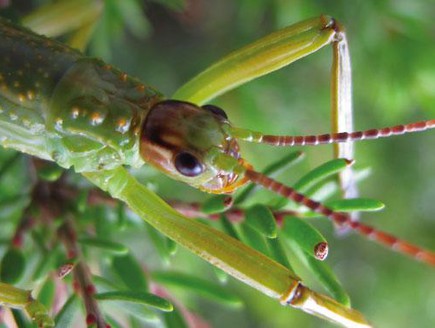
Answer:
(342, 219)
(254, 136)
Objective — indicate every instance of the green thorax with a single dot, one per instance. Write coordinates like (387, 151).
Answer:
(96, 112)
(59, 105)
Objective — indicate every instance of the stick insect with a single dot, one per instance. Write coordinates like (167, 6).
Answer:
(85, 114)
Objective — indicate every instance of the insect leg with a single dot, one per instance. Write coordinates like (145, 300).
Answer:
(259, 58)
(223, 251)
(22, 299)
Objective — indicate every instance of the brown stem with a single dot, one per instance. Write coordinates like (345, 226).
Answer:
(235, 215)
(82, 276)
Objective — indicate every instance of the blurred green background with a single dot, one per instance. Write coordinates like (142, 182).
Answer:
(392, 46)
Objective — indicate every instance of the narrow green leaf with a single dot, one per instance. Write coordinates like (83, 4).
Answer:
(46, 294)
(45, 264)
(228, 227)
(283, 163)
(172, 246)
(101, 37)
(133, 17)
(254, 239)
(104, 285)
(160, 243)
(355, 204)
(20, 319)
(98, 216)
(260, 218)
(104, 244)
(112, 322)
(121, 215)
(174, 319)
(50, 172)
(56, 18)
(82, 201)
(9, 163)
(79, 39)
(12, 266)
(137, 311)
(306, 236)
(323, 190)
(216, 204)
(65, 317)
(136, 297)
(329, 280)
(10, 205)
(323, 272)
(130, 272)
(271, 170)
(221, 275)
(320, 173)
(200, 286)
(277, 252)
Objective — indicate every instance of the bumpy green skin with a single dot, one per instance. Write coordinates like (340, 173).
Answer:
(59, 105)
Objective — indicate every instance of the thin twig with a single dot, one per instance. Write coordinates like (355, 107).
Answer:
(82, 276)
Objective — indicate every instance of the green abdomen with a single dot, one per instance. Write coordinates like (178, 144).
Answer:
(30, 68)
(59, 105)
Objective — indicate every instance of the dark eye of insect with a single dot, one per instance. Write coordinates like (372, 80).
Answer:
(216, 110)
(187, 164)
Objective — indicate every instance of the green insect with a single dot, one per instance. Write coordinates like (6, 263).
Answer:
(81, 113)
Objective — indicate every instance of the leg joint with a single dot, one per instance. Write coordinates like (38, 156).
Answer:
(330, 23)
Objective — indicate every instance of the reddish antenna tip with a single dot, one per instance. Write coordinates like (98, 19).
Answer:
(383, 238)
(339, 137)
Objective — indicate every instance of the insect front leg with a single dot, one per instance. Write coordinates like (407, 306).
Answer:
(20, 298)
(223, 251)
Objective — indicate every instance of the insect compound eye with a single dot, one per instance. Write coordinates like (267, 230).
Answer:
(216, 110)
(187, 164)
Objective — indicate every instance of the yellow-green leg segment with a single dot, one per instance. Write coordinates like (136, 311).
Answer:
(223, 251)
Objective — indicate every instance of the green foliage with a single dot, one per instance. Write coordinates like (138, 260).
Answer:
(199, 286)
(106, 245)
(12, 266)
(216, 204)
(394, 81)
(130, 272)
(136, 297)
(260, 218)
(65, 317)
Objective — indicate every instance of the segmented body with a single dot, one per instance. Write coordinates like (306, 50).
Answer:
(59, 105)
